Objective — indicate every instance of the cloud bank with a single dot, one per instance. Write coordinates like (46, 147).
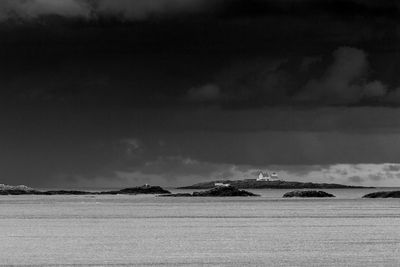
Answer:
(125, 9)
(31, 9)
(345, 78)
(142, 9)
(345, 81)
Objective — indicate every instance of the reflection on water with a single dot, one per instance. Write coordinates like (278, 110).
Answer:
(146, 230)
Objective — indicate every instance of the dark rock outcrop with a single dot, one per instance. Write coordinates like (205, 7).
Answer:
(16, 190)
(64, 192)
(145, 189)
(254, 184)
(310, 193)
(383, 194)
(177, 195)
(222, 191)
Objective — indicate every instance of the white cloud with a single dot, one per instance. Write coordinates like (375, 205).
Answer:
(386, 174)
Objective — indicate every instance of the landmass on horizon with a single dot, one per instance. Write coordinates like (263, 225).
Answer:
(25, 190)
(264, 184)
(219, 189)
(222, 188)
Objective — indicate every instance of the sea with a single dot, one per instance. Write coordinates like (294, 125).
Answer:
(145, 230)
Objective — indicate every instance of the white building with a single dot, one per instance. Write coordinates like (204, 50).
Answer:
(268, 177)
(221, 184)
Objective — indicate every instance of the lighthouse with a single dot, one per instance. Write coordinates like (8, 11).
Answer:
(265, 176)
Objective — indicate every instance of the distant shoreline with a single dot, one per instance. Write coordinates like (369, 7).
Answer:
(24, 190)
(254, 184)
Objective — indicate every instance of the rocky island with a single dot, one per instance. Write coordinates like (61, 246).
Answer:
(221, 191)
(16, 190)
(310, 193)
(24, 190)
(145, 189)
(254, 184)
(383, 194)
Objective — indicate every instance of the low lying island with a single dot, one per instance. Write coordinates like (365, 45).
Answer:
(220, 191)
(383, 194)
(309, 193)
(25, 190)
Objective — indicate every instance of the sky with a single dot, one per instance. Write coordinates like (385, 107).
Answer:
(117, 93)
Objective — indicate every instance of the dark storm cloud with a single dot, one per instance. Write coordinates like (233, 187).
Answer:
(35, 8)
(141, 9)
(125, 91)
(237, 54)
(205, 93)
(344, 81)
(125, 9)
(345, 8)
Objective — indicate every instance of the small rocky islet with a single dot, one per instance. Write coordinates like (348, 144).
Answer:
(383, 194)
(308, 193)
(221, 191)
(146, 189)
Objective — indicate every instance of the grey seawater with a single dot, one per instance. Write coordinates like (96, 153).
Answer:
(148, 230)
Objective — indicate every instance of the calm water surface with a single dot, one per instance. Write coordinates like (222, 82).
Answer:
(147, 230)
